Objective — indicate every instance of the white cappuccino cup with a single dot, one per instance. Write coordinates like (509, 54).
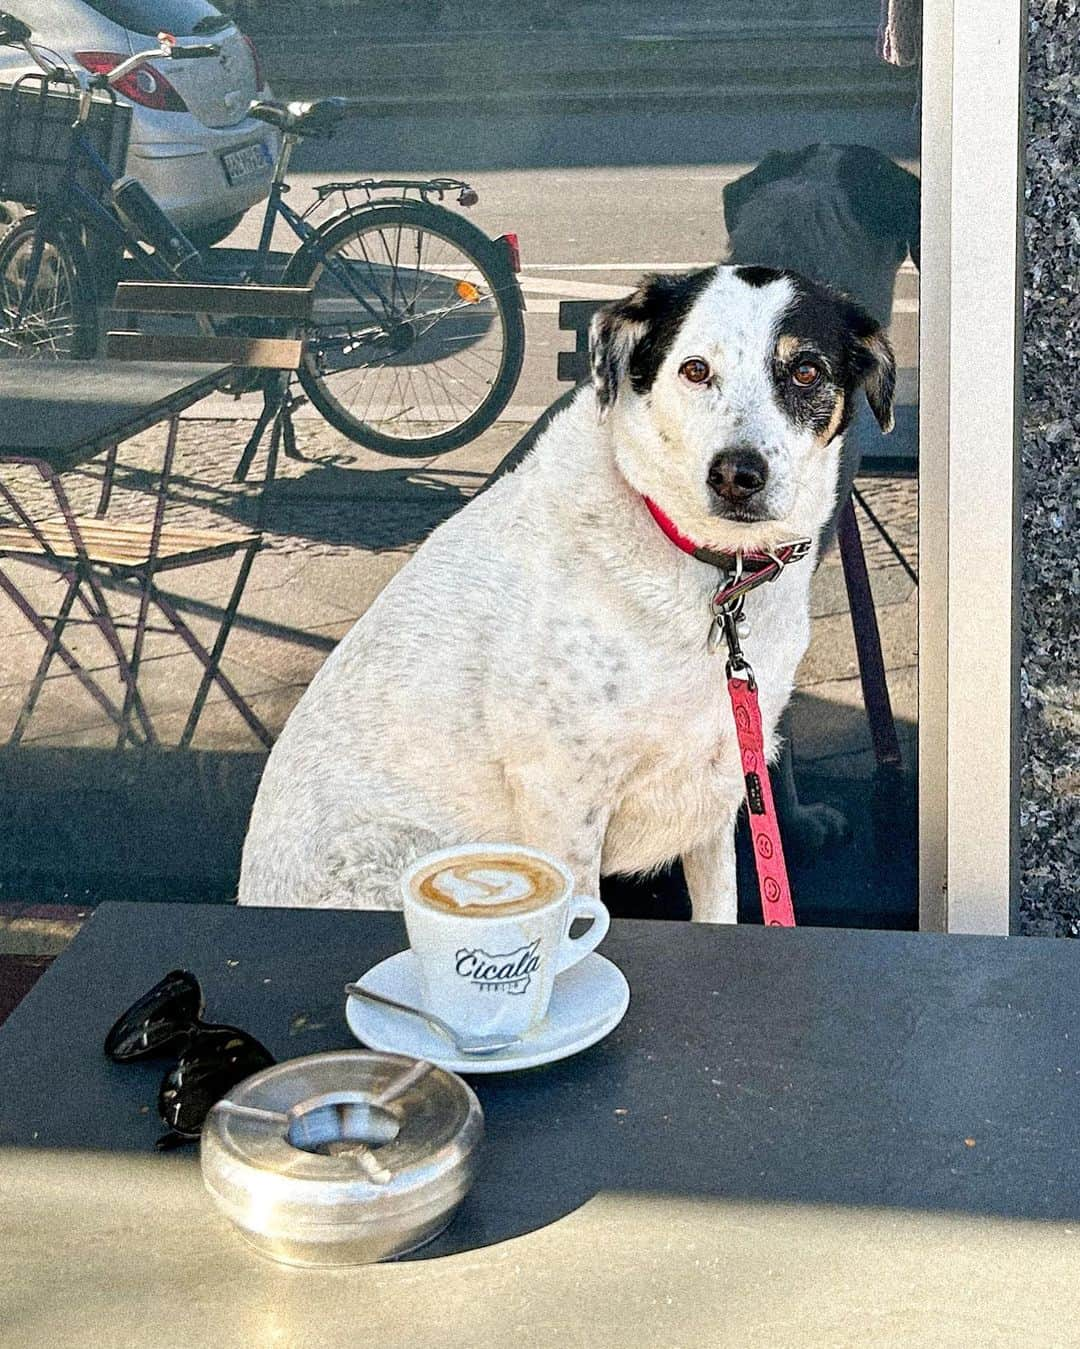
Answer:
(489, 925)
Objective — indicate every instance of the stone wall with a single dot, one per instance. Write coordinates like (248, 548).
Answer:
(1050, 592)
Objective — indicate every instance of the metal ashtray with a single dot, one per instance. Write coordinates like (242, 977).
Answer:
(342, 1158)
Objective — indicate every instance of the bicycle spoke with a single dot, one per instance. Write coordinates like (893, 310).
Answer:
(39, 320)
(372, 275)
(447, 393)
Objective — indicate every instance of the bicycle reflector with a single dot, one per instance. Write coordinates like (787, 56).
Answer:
(145, 86)
(467, 291)
(513, 250)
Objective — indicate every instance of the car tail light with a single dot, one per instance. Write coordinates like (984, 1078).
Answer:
(145, 86)
(513, 250)
(260, 82)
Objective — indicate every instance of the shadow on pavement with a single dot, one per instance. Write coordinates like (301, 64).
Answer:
(384, 508)
(88, 825)
(361, 508)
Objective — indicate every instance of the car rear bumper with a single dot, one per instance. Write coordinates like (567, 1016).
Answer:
(188, 180)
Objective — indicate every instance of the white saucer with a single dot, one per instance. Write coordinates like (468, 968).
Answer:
(589, 1001)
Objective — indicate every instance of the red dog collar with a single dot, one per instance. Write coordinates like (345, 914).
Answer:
(746, 569)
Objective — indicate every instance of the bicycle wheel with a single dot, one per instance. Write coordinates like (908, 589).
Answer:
(418, 338)
(59, 317)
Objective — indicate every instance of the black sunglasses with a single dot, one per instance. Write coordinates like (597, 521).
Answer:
(211, 1059)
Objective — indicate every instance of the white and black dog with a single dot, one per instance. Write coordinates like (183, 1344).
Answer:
(538, 672)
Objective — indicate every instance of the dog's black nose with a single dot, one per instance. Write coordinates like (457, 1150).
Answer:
(737, 474)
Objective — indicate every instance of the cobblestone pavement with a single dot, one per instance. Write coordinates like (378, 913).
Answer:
(339, 524)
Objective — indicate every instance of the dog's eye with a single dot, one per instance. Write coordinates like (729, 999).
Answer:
(806, 374)
(695, 370)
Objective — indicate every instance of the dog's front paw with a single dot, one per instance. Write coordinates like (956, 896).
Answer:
(814, 828)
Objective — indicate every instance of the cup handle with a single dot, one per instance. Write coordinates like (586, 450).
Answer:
(574, 949)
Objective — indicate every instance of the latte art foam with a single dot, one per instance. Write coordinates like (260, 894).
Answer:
(488, 885)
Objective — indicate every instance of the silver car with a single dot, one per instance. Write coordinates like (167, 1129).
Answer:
(193, 147)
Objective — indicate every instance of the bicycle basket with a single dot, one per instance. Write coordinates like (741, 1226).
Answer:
(37, 141)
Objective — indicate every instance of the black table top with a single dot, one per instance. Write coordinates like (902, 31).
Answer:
(65, 411)
(824, 1072)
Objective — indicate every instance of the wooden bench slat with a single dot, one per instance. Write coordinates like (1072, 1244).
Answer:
(121, 545)
(132, 529)
(264, 353)
(177, 297)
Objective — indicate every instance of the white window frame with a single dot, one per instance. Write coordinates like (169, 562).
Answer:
(970, 403)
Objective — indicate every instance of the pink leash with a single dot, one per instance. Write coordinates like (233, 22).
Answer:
(741, 572)
(772, 878)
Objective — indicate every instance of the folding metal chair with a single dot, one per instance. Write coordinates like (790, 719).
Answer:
(87, 552)
(94, 555)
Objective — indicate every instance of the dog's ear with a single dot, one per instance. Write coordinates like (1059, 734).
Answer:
(613, 333)
(777, 164)
(629, 338)
(883, 197)
(876, 366)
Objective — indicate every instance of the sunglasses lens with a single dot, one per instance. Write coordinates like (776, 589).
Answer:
(157, 1020)
(217, 1058)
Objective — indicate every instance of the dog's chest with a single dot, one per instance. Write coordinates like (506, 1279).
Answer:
(682, 782)
(681, 776)
(678, 725)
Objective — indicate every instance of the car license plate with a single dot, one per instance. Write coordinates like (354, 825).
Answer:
(247, 162)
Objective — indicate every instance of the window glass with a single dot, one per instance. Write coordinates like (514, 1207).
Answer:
(611, 141)
(182, 18)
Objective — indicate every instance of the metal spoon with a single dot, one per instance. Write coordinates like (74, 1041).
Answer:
(475, 1044)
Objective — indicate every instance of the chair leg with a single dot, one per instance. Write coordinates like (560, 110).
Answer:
(266, 416)
(210, 661)
(107, 482)
(210, 667)
(102, 620)
(131, 692)
(41, 627)
(51, 646)
(867, 641)
(271, 469)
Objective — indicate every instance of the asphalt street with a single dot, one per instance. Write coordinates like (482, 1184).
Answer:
(598, 198)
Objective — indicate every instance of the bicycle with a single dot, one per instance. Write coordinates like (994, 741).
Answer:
(418, 334)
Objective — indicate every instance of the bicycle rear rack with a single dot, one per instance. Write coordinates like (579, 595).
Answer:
(425, 189)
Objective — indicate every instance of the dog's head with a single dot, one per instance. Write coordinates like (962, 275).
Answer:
(728, 390)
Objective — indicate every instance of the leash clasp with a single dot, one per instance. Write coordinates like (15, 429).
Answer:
(727, 602)
(728, 626)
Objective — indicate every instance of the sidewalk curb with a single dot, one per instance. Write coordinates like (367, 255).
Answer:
(673, 98)
(40, 929)
(591, 69)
